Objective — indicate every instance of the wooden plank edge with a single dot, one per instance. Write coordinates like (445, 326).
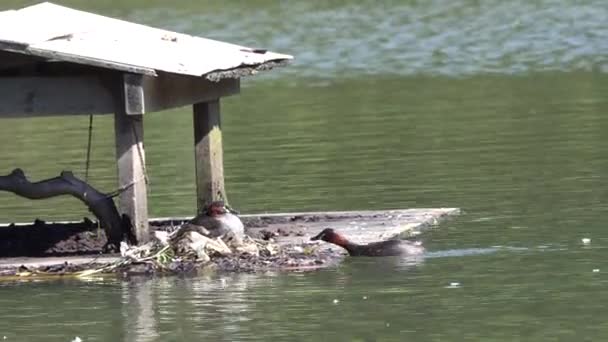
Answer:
(445, 212)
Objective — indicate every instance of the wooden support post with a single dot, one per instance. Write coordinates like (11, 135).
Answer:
(208, 153)
(129, 131)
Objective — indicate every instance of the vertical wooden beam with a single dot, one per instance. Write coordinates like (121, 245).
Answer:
(208, 153)
(130, 157)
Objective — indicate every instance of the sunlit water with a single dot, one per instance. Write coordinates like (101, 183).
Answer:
(496, 107)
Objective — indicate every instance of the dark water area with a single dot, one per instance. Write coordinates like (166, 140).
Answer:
(495, 107)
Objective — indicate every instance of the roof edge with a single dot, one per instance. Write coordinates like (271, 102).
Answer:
(246, 70)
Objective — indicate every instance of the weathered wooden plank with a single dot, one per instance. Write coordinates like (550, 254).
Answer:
(208, 153)
(33, 262)
(66, 34)
(35, 96)
(359, 226)
(171, 90)
(10, 60)
(25, 49)
(39, 96)
(134, 94)
(130, 156)
(363, 226)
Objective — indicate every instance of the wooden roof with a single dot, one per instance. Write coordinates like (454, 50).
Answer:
(58, 33)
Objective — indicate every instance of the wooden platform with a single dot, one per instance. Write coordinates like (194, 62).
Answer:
(55, 60)
(292, 228)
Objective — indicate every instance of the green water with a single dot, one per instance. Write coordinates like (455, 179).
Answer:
(495, 107)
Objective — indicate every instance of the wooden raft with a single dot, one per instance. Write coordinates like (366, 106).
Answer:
(360, 226)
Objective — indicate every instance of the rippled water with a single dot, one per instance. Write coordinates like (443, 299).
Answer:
(439, 37)
(496, 107)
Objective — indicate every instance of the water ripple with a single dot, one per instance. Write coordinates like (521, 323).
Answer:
(441, 37)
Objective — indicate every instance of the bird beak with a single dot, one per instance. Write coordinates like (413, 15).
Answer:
(232, 210)
(316, 237)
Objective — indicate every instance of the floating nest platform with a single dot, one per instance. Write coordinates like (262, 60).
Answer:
(71, 248)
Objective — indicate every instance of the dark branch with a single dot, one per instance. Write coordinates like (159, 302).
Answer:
(100, 204)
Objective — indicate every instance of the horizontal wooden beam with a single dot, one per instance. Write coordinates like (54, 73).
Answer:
(39, 96)
(172, 90)
(10, 60)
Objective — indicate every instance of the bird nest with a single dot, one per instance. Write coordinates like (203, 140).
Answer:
(186, 251)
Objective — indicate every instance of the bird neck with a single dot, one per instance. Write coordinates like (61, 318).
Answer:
(343, 242)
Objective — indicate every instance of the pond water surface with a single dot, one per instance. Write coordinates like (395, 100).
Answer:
(495, 107)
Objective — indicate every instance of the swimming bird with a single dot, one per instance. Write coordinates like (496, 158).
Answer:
(381, 248)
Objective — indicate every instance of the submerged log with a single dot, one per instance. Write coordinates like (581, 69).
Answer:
(101, 205)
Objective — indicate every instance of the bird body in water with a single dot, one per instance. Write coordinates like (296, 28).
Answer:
(381, 248)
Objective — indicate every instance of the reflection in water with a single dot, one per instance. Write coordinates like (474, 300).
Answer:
(243, 306)
(361, 299)
(139, 308)
(497, 107)
(208, 307)
(221, 303)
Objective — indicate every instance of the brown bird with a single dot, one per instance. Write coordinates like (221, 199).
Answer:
(381, 248)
